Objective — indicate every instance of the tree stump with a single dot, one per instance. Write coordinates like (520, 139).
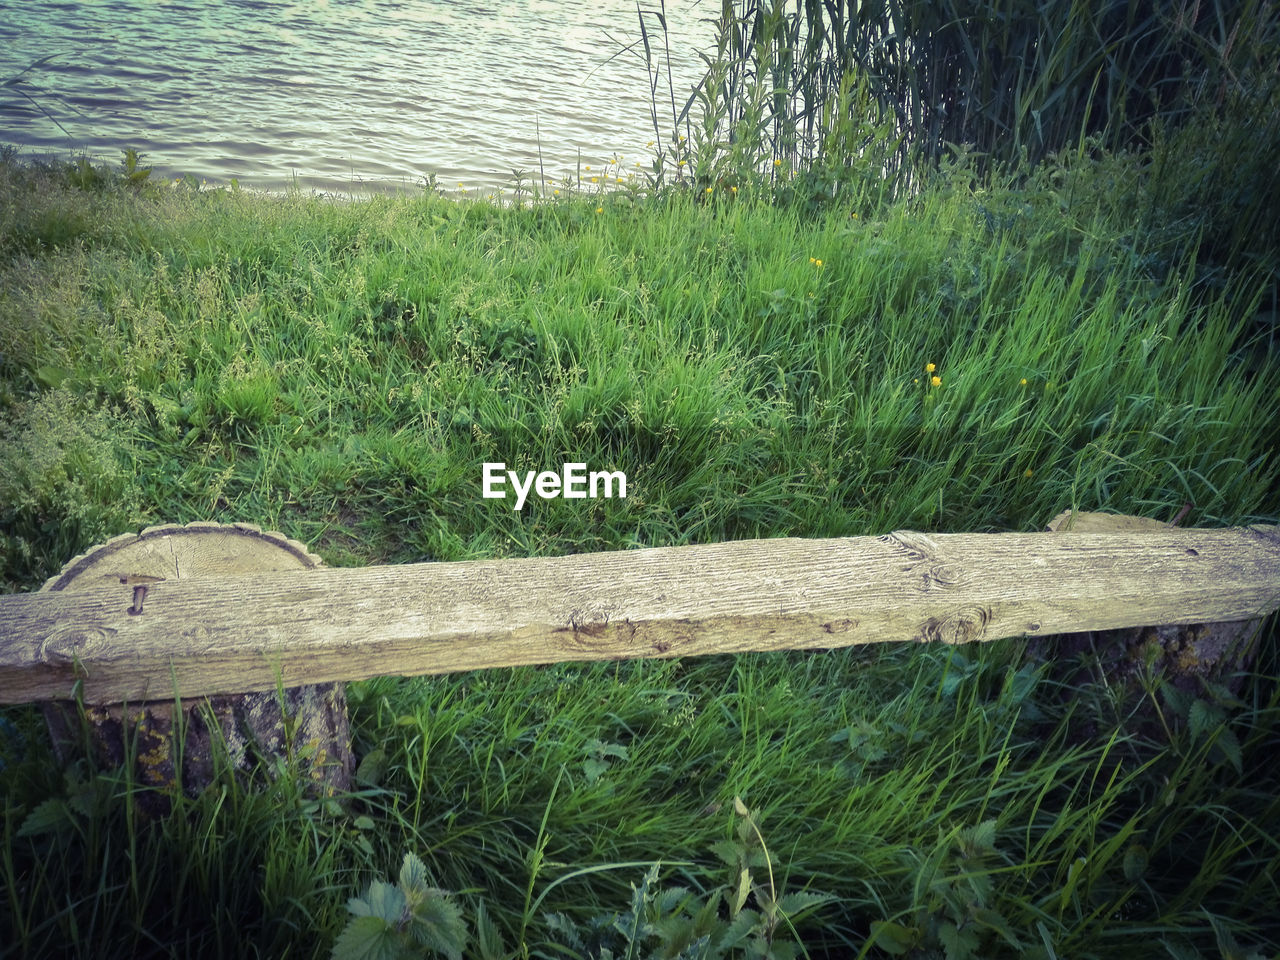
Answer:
(304, 727)
(1199, 660)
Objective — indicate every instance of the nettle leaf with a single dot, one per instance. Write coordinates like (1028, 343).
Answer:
(594, 769)
(372, 768)
(699, 949)
(791, 904)
(739, 928)
(893, 937)
(381, 900)
(731, 853)
(975, 841)
(50, 816)
(1203, 719)
(951, 682)
(959, 944)
(488, 937)
(993, 920)
(438, 925)
(366, 938)
(871, 752)
(566, 930)
(412, 873)
(613, 750)
(1227, 747)
(772, 950)
(669, 900)
(1178, 702)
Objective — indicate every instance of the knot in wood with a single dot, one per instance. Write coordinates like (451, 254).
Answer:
(917, 546)
(944, 575)
(963, 625)
(64, 644)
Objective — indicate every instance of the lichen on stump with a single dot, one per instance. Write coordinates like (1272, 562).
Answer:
(303, 727)
(1193, 658)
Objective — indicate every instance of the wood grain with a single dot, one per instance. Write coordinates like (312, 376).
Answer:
(233, 635)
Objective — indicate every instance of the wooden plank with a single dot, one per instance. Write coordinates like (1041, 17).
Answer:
(233, 635)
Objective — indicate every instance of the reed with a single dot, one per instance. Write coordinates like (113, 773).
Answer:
(892, 85)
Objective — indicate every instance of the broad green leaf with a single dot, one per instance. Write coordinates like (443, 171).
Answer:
(372, 767)
(488, 938)
(793, 903)
(730, 852)
(1203, 719)
(50, 816)
(1135, 862)
(437, 924)
(380, 900)
(413, 874)
(981, 838)
(959, 944)
(893, 937)
(741, 894)
(739, 929)
(366, 938)
(1228, 746)
(52, 377)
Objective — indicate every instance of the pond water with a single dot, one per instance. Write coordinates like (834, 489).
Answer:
(342, 95)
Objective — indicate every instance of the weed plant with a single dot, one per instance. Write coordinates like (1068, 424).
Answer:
(977, 356)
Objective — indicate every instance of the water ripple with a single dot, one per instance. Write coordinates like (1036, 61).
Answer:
(325, 94)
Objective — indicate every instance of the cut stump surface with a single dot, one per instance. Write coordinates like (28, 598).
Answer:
(306, 725)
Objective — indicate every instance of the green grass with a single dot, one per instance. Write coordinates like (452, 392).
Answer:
(340, 371)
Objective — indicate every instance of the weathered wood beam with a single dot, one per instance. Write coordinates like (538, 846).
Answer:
(235, 635)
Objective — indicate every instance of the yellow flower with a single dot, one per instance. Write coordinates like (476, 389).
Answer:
(916, 380)
(599, 209)
(733, 189)
(1024, 382)
(1027, 472)
(817, 263)
(853, 216)
(594, 179)
(708, 189)
(811, 260)
(929, 368)
(556, 192)
(936, 381)
(679, 163)
(619, 179)
(649, 144)
(777, 163)
(588, 166)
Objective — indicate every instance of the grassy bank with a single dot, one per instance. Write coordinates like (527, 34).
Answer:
(974, 358)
